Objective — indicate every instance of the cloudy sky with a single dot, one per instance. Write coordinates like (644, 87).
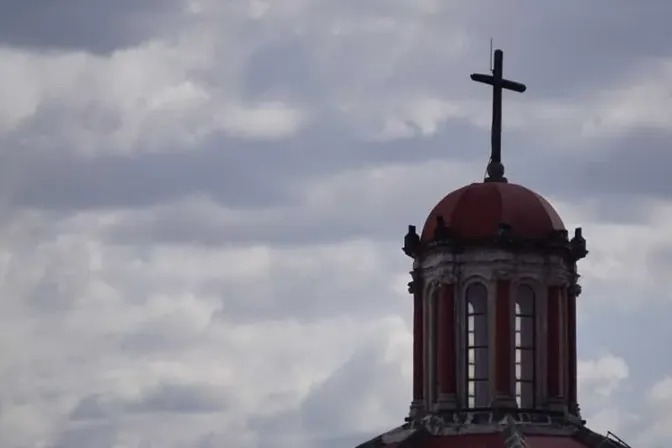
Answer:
(202, 205)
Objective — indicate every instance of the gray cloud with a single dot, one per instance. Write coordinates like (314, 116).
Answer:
(349, 398)
(243, 174)
(569, 48)
(96, 26)
(95, 436)
(235, 173)
(318, 292)
(637, 164)
(214, 260)
(164, 398)
(329, 407)
(546, 47)
(181, 398)
(93, 407)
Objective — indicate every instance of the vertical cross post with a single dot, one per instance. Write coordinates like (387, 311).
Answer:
(498, 83)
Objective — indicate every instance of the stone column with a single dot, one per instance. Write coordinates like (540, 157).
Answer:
(428, 344)
(432, 393)
(446, 345)
(572, 293)
(554, 364)
(416, 288)
(503, 342)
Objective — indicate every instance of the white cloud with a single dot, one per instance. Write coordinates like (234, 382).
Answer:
(600, 378)
(125, 321)
(158, 301)
(606, 420)
(601, 386)
(658, 416)
(271, 120)
(661, 393)
(638, 100)
(641, 102)
(623, 266)
(147, 98)
(609, 111)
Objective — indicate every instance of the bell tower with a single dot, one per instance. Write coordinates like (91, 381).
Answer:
(494, 286)
(494, 304)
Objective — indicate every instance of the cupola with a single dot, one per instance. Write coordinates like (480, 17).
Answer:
(494, 286)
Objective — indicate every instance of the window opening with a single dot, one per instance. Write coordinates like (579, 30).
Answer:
(525, 342)
(477, 346)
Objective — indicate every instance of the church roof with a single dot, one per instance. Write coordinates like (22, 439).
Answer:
(509, 432)
(476, 211)
(496, 440)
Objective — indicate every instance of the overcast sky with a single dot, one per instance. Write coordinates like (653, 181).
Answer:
(202, 205)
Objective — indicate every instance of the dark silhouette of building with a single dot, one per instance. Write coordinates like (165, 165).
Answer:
(494, 287)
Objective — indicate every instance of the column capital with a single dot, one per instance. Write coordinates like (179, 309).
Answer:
(447, 278)
(412, 287)
(415, 285)
(443, 277)
(559, 277)
(502, 274)
(575, 289)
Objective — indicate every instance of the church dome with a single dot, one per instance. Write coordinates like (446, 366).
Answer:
(476, 211)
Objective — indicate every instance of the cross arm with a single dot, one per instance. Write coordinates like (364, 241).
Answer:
(485, 79)
(513, 85)
(504, 83)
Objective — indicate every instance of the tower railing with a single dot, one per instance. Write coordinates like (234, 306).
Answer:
(615, 438)
(612, 439)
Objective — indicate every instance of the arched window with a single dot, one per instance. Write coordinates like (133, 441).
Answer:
(525, 345)
(477, 346)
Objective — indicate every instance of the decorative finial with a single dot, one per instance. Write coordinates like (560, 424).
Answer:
(495, 166)
(411, 242)
(578, 244)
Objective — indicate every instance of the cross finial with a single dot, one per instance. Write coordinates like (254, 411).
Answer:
(496, 80)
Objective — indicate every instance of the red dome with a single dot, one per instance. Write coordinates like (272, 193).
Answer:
(476, 210)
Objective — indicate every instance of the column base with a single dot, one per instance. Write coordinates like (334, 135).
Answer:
(417, 409)
(557, 404)
(504, 402)
(446, 402)
(575, 410)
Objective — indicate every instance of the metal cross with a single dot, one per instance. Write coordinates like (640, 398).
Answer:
(498, 83)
